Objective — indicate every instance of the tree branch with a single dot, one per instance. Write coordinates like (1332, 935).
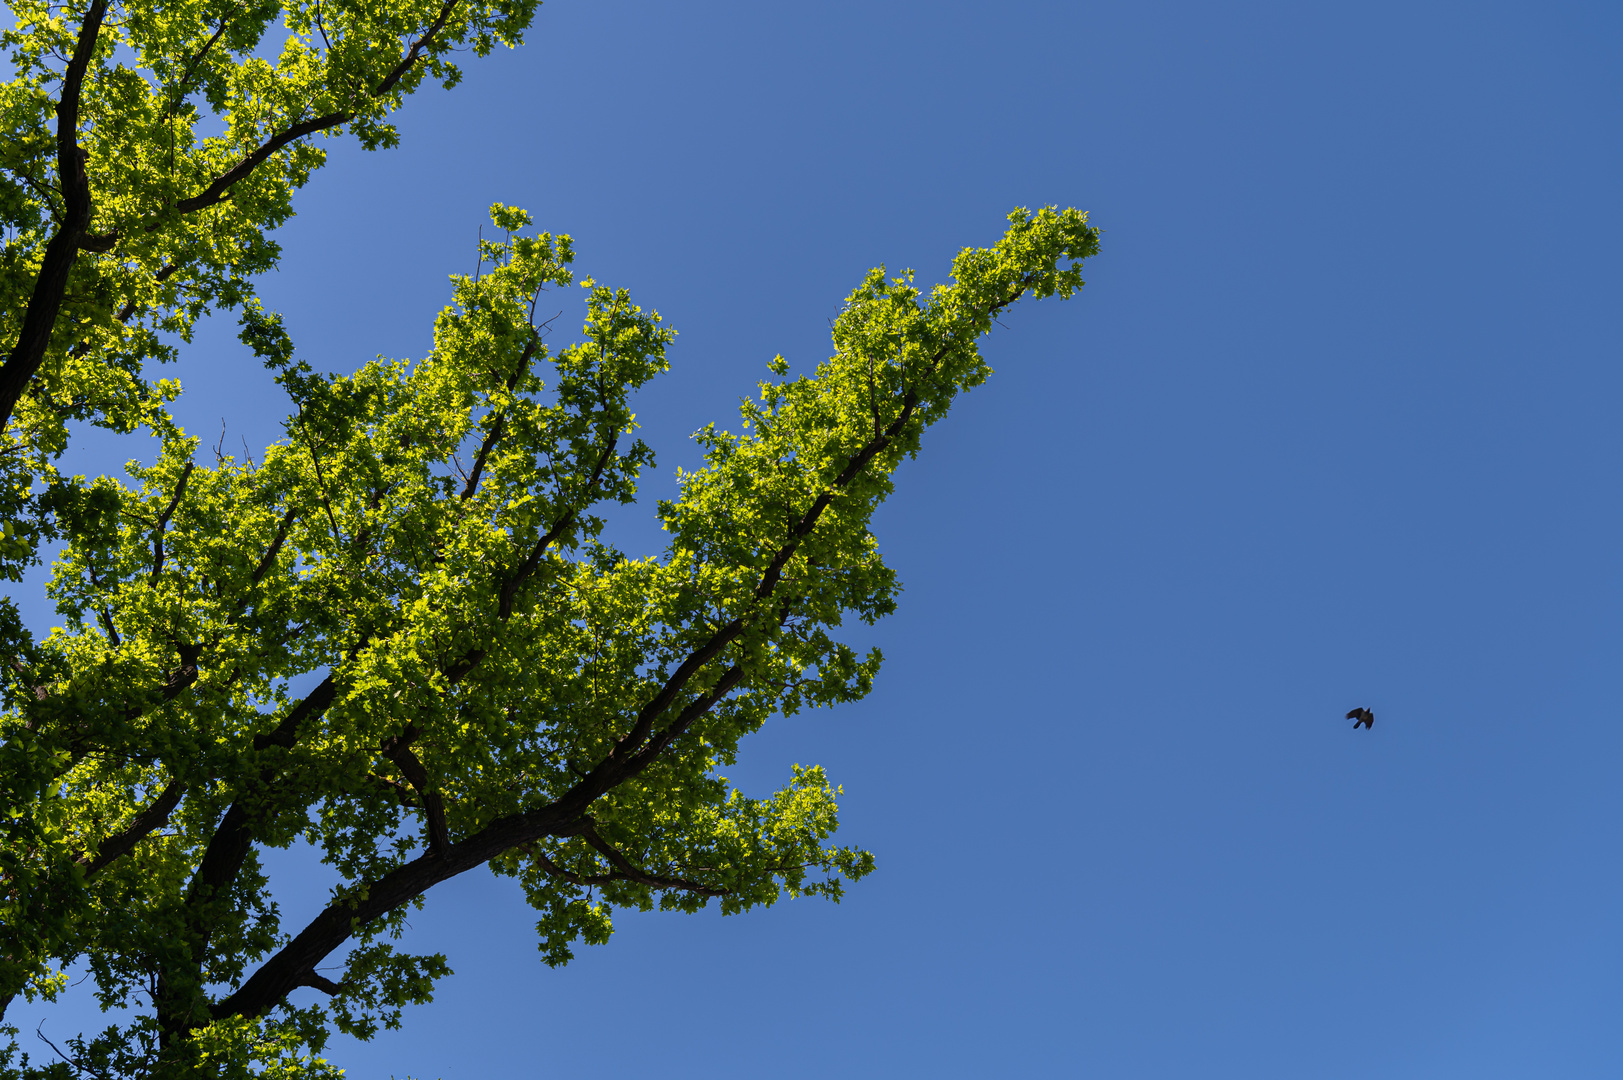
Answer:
(624, 871)
(174, 682)
(63, 248)
(311, 705)
(338, 923)
(629, 755)
(416, 50)
(154, 817)
(330, 929)
(630, 745)
(219, 188)
(73, 234)
(163, 523)
(808, 520)
(127, 312)
(322, 983)
(566, 815)
(498, 425)
(398, 750)
(562, 817)
(395, 788)
(510, 587)
(181, 88)
(629, 872)
(275, 548)
(221, 184)
(643, 756)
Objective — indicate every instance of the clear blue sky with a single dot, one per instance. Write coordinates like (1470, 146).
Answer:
(1336, 422)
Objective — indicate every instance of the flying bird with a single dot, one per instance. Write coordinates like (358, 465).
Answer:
(1362, 717)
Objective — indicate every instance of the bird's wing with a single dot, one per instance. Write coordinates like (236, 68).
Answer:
(1356, 714)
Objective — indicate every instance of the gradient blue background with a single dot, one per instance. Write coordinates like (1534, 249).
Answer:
(1334, 423)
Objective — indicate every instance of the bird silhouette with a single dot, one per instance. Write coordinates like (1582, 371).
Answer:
(1362, 717)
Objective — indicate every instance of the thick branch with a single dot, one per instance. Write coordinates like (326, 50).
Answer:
(563, 817)
(398, 750)
(221, 186)
(154, 817)
(321, 982)
(610, 771)
(176, 681)
(497, 429)
(73, 234)
(230, 842)
(222, 861)
(334, 926)
(63, 248)
(233, 839)
(644, 756)
(313, 704)
(275, 548)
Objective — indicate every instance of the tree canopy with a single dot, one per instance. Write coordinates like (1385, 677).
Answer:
(400, 634)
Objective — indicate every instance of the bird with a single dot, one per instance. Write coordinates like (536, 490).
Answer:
(1362, 717)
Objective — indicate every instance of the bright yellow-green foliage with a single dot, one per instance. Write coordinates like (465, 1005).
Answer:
(194, 121)
(400, 635)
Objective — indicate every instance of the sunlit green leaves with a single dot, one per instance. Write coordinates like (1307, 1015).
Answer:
(401, 632)
(196, 120)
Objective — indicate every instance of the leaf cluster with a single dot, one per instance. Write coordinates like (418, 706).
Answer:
(400, 636)
(146, 152)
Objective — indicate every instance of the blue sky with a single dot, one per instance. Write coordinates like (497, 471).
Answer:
(1335, 422)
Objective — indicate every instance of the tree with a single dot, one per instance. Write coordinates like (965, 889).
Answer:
(400, 635)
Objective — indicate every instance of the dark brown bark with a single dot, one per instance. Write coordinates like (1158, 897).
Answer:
(229, 846)
(334, 926)
(63, 248)
(322, 983)
(176, 987)
(310, 706)
(154, 817)
(219, 188)
(222, 861)
(288, 968)
(398, 750)
(275, 548)
(221, 184)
